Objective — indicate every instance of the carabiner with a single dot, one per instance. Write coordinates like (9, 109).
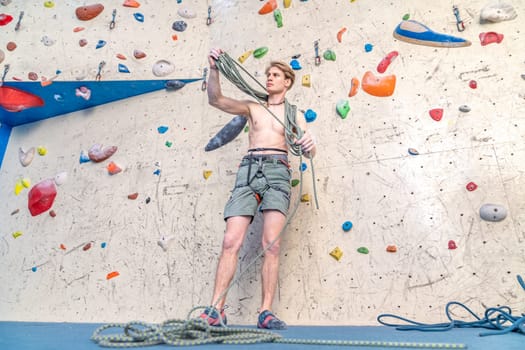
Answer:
(208, 20)
(204, 83)
(459, 23)
(100, 66)
(112, 23)
(317, 57)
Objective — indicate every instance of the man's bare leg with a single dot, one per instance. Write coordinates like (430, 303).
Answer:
(274, 222)
(236, 228)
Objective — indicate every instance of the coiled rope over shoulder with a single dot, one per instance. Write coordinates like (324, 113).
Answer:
(228, 67)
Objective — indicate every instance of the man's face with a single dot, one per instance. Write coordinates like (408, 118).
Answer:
(276, 81)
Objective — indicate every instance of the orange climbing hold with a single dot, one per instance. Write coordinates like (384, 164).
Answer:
(131, 3)
(354, 86)
(340, 34)
(378, 86)
(85, 13)
(113, 168)
(78, 29)
(112, 274)
(391, 248)
(268, 7)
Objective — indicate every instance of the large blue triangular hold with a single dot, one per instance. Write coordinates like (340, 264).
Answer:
(27, 102)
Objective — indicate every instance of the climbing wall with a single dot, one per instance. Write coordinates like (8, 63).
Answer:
(143, 243)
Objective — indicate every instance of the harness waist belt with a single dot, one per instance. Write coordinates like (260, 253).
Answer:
(266, 157)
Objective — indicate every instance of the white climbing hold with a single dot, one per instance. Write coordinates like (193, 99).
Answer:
(492, 212)
(497, 11)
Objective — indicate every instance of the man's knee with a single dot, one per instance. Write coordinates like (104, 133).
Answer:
(274, 249)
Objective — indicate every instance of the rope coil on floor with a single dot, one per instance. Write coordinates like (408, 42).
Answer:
(195, 332)
(498, 319)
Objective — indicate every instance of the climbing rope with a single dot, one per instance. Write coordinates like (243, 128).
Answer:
(197, 331)
(498, 319)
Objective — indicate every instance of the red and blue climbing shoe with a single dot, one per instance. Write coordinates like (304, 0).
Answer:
(268, 320)
(211, 315)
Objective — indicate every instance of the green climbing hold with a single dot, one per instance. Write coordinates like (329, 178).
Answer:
(295, 182)
(342, 108)
(246, 128)
(260, 52)
(363, 250)
(277, 15)
(329, 55)
(406, 17)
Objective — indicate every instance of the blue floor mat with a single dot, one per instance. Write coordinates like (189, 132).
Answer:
(56, 336)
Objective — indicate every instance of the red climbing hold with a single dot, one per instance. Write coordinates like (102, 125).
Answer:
(436, 114)
(385, 62)
(5, 19)
(473, 84)
(471, 186)
(452, 245)
(490, 37)
(42, 196)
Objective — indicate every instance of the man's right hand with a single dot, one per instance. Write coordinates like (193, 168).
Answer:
(214, 56)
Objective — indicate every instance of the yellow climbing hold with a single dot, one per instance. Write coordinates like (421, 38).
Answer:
(26, 182)
(18, 187)
(49, 4)
(287, 3)
(306, 80)
(17, 234)
(245, 56)
(206, 174)
(41, 150)
(336, 253)
(305, 197)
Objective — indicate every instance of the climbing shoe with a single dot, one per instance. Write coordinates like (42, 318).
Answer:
(212, 316)
(268, 320)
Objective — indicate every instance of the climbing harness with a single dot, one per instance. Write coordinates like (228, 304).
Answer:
(112, 23)
(498, 319)
(459, 23)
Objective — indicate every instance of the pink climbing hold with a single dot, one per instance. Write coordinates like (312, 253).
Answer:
(436, 114)
(41, 197)
(473, 84)
(385, 62)
(452, 245)
(471, 186)
(490, 37)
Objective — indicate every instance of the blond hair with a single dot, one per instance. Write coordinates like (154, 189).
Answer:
(286, 69)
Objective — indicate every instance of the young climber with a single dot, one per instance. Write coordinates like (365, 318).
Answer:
(262, 183)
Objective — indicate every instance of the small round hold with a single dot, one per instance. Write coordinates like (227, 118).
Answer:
(413, 151)
(11, 46)
(369, 47)
(179, 26)
(471, 186)
(32, 76)
(82, 42)
(452, 245)
(303, 166)
(310, 115)
(295, 64)
(347, 226)
(464, 108)
(139, 16)
(473, 84)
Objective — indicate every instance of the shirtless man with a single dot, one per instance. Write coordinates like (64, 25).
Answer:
(263, 182)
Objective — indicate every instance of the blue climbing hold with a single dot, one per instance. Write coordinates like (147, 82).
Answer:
(103, 245)
(156, 172)
(347, 226)
(369, 47)
(303, 166)
(139, 16)
(310, 115)
(100, 43)
(295, 64)
(162, 129)
(34, 268)
(84, 158)
(122, 68)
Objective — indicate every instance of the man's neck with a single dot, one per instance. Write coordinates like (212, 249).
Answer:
(275, 100)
